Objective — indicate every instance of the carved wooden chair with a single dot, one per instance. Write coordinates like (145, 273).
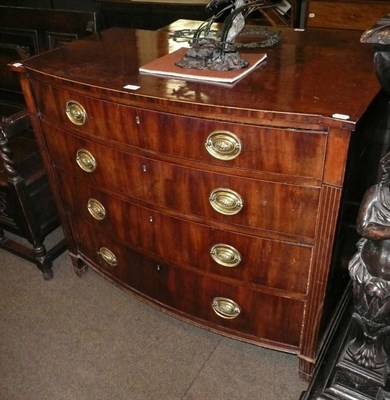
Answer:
(27, 208)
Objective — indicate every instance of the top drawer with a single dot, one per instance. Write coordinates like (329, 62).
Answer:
(247, 147)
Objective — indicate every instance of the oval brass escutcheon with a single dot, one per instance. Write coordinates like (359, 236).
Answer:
(85, 160)
(223, 145)
(226, 201)
(108, 256)
(75, 112)
(225, 255)
(96, 209)
(225, 308)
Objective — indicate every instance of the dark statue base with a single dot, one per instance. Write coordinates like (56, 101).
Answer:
(207, 56)
(338, 377)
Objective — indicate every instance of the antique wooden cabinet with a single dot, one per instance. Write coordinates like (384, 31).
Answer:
(346, 14)
(27, 208)
(218, 204)
(154, 14)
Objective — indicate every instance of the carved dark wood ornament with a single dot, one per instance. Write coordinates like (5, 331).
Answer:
(5, 151)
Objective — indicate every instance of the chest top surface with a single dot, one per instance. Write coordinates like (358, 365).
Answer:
(309, 75)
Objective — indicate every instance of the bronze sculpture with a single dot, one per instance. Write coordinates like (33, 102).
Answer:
(370, 267)
(370, 273)
(379, 36)
(218, 50)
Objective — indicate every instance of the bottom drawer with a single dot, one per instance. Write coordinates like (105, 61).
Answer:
(235, 309)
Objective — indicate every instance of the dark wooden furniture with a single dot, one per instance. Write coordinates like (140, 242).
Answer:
(283, 16)
(25, 32)
(148, 15)
(27, 206)
(219, 204)
(156, 14)
(346, 14)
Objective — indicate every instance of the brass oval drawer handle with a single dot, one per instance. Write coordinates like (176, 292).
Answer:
(85, 160)
(225, 255)
(225, 308)
(96, 209)
(75, 112)
(108, 256)
(226, 201)
(223, 145)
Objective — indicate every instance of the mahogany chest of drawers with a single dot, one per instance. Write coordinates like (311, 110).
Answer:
(218, 204)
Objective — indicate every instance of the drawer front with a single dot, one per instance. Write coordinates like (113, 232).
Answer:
(283, 151)
(273, 264)
(235, 309)
(230, 199)
(101, 118)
